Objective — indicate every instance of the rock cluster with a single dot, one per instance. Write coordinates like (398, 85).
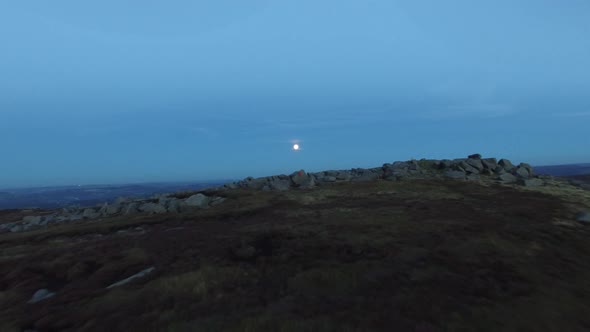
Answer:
(161, 204)
(472, 168)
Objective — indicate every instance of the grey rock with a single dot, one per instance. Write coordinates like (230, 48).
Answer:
(33, 220)
(583, 216)
(280, 185)
(531, 182)
(17, 228)
(113, 209)
(103, 209)
(507, 178)
(123, 200)
(474, 156)
(133, 277)
(445, 163)
(522, 172)
(75, 217)
(41, 295)
(198, 200)
(131, 208)
(453, 174)
(329, 179)
(152, 208)
(174, 206)
(468, 168)
(475, 163)
(303, 180)
(90, 214)
(489, 163)
(506, 165)
(528, 167)
(232, 185)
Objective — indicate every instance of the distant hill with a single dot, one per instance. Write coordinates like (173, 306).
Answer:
(564, 170)
(57, 197)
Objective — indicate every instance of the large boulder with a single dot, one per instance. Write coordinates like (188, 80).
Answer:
(468, 168)
(507, 178)
(522, 172)
(131, 208)
(33, 220)
(199, 200)
(174, 206)
(113, 209)
(528, 167)
(506, 165)
(152, 208)
(90, 214)
(279, 184)
(303, 180)
(489, 163)
(475, 163)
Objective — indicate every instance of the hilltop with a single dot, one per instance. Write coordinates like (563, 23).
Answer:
(421, 245)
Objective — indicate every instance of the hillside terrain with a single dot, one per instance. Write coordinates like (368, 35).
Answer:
(415, 246)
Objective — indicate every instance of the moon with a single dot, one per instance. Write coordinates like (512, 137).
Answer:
(295, 147)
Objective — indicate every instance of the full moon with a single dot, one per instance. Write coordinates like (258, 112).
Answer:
(295, 147)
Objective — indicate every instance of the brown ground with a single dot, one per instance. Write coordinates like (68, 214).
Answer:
(383, 256)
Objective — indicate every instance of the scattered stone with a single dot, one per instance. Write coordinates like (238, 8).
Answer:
(41, 295)
(583, 216)
(133, 277)
(198, 200)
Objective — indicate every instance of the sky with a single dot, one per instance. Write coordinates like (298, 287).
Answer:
(149, 91)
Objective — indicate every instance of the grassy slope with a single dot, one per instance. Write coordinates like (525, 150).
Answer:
(404, 256)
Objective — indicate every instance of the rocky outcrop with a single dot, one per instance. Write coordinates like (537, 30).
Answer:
(121, 207)
(472, 168)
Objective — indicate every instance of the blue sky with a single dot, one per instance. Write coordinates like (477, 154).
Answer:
(133, 91)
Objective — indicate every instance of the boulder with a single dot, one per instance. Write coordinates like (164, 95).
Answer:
(113, 209)
(17, 228)
(280, 185)
(528, 167)
(476, 156)
(41, 295)
(300, 179)
(583, 216)
(506, 165)
(507, 178)
(522, 172)
(174, 206)
(489, 163)
(33, 220)
(475, 163)
(152, 208)
(198, 200)
(131, 208)
(468, 168)
(89, 214)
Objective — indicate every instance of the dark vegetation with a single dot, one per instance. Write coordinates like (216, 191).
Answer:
(381, 256)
